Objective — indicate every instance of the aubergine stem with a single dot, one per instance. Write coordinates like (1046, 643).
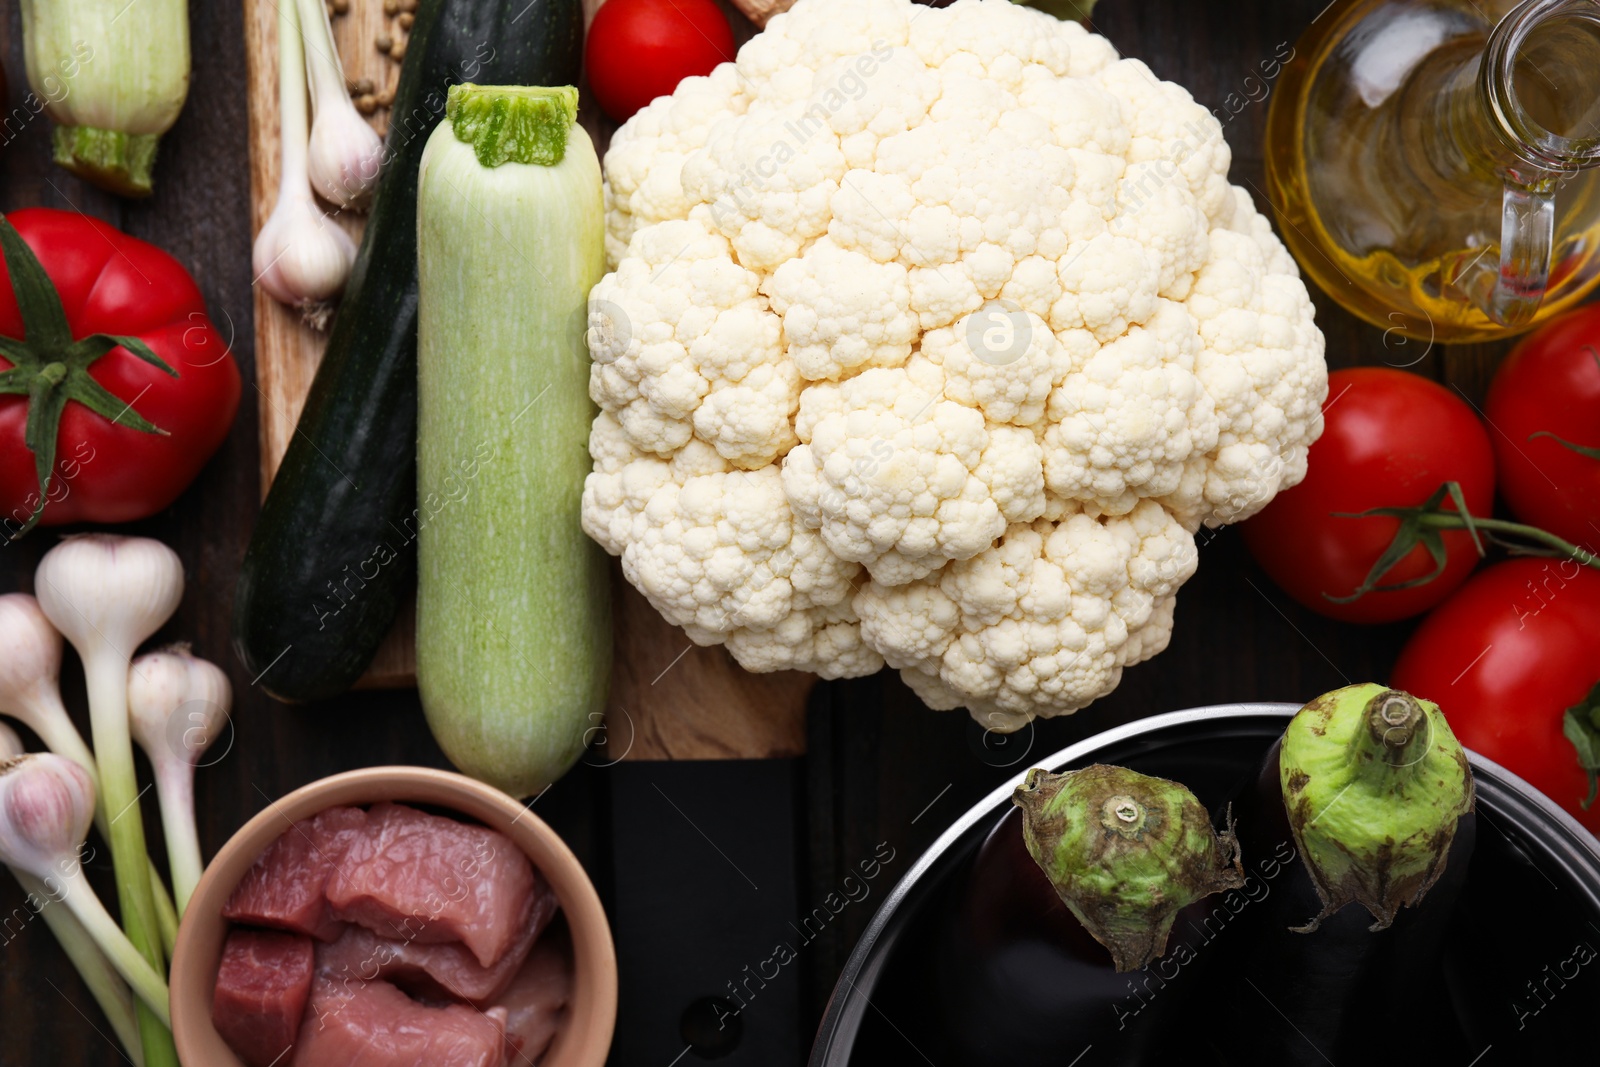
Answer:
(1374, 783)
(1125, 852)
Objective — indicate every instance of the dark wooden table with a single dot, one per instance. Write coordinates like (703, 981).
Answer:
(880, 769)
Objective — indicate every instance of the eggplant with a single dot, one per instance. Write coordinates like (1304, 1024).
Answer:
(1305, 978)
(1020, 977)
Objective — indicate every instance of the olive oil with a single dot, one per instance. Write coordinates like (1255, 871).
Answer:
(1409, 142)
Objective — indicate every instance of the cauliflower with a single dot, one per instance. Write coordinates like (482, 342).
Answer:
(933, 336)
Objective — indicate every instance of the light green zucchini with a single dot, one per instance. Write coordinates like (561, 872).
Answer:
(513, 604)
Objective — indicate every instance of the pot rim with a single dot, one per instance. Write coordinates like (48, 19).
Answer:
(1574, 848)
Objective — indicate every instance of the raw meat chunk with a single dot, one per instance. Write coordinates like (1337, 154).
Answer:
(537, 1000)
(374, 1024)
(426, 879)
(286, 887)
(261, 993)
(443, 970)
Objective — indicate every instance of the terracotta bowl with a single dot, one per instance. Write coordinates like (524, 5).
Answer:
(593, 1011)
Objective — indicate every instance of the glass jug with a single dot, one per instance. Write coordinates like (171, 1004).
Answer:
(1429, 161)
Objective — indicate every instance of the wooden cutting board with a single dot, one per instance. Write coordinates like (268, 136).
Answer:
(670, 698)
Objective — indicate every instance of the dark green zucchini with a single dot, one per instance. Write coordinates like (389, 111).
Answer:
(334, 552)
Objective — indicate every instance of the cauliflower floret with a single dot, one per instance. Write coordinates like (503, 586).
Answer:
(1042, 623)
(717, 551)
(933, 336)
(903, 481)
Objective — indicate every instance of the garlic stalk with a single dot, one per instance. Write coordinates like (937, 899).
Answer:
(177, 704)
(345, 152)
(10, 743)
(107, 594)
(104, 983)
(46, 804)
(30, 672)
(30, 692)
(300, 256)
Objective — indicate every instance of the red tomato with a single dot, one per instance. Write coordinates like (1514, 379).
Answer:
(110, 283)
(641, 49)
(1504, 659)
(1551, 382)
(1391, 439)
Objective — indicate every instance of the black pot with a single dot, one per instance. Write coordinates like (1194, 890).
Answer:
(1522, 966)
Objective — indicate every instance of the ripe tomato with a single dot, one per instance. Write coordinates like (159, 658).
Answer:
(1391, 439)
(641, 49)
(1504, 658)
(1551, 382)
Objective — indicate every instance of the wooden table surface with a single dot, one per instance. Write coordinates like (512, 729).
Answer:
(880, 767)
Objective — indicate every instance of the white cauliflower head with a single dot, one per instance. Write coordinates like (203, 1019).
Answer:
(933, 336)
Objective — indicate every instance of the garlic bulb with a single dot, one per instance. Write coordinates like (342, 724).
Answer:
(345, 152)
(46, 804)
(177, 706)
(300, 257)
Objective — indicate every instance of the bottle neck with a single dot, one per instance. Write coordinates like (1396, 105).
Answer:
(1488, 105)
(1536, 88)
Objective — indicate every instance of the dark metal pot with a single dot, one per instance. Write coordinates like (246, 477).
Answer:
(1523, 966)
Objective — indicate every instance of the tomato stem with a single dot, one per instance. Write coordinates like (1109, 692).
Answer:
(1425, 525)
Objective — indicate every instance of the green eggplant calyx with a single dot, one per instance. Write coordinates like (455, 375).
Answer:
(513, 123)
(1125, 852)
(116, 161)
(1374, 783)
(1396, 721)
(1124, 815)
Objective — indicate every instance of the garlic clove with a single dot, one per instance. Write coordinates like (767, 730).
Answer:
(46, 805)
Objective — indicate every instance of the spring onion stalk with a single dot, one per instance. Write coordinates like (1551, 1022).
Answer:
(300, 257)
(1125, 852)
(107, 594)
(46, 805)
(113, 76)
(1374, 784)
(30, 692)
(177, 705)
(345, 152)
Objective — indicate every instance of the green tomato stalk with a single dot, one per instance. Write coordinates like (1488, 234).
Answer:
(1125, 852)
(1374, 783)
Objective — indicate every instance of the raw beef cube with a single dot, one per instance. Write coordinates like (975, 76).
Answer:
(537, 999)
(422, 878)
(373, 1024)
(442, 970)
(286, 887)
(261, 993)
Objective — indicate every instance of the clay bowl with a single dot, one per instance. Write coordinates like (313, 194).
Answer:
(587, 1038)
